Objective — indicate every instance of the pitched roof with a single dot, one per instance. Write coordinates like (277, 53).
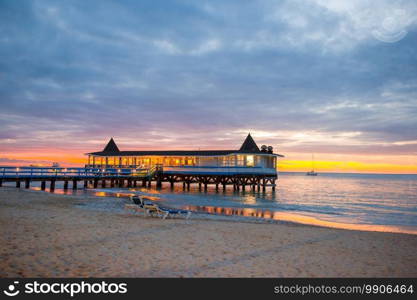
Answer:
(167, 153)
(249, 145)
(111, 147)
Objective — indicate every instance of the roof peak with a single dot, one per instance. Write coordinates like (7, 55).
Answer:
(249, 145)
(111, 146)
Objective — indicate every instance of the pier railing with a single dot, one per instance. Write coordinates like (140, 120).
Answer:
(236, 176)
(32, 172)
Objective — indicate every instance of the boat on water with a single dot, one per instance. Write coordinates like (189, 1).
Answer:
(312, 172)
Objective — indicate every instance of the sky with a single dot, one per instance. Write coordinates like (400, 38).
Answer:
(333, 78)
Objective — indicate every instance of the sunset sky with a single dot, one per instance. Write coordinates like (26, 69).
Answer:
(333, 78)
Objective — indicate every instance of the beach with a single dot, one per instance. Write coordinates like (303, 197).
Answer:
(51, 235)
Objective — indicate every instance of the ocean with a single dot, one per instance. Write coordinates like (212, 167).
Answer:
(375, 202)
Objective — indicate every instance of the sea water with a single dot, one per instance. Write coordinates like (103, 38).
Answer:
(353, 201)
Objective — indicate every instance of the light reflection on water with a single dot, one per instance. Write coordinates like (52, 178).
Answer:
(353, 201)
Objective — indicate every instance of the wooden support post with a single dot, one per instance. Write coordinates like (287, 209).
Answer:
(43, 185)
(224, 186)
(27, 183)
(205, 186)
(217, 186)
(149, 182)
(52, 185)
(66, 185)
(121, 182)
(199, 185)
(74, 184)
(129, 183)
(1, 182)
(183, 185)
(135, 182)
(112, 183)
(85, 184)
(188, 185)
(95, 183)
(144, 182)
(172, 184)
(18, 183)
(158, 182)
(103, 183)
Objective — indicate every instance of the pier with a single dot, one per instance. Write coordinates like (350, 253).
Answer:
(88, 177)
(247, 167)
(239, 178)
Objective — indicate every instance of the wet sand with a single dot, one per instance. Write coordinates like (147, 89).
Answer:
(50, 235)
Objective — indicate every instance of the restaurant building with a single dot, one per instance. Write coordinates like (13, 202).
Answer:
(248, 157)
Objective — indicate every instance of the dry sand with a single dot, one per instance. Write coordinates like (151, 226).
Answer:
(49, 235)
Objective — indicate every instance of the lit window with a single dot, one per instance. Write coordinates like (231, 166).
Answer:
(249, 161)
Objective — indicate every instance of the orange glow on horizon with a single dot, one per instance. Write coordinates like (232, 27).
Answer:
(301, 163)
(346, 167)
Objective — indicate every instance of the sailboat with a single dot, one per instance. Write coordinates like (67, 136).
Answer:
(312, 172)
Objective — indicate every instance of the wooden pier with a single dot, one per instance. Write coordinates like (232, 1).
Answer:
(239, 178)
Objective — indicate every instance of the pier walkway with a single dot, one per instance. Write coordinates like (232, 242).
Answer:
(89, 176)
(239, 177)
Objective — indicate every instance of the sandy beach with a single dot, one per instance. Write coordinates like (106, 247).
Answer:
(51, 235)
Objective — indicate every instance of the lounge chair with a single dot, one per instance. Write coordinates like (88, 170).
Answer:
(150, 208)
(166, 212)
(136, 199)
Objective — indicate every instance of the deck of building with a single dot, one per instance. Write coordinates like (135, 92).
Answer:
(239, 177)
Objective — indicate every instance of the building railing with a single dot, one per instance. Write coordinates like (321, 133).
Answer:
(30, 172)
(212, 170)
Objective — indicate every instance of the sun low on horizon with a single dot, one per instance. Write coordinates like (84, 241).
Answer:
(332, 87)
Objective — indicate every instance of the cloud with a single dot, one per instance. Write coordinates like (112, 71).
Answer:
(302, 74)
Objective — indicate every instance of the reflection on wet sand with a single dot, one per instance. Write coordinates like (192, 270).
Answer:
(123, 195)
(355, 202)
(295, 218)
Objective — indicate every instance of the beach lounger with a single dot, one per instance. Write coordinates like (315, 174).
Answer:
(166, 212)
(150, 208)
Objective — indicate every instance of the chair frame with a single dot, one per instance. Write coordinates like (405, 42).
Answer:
(151, 209)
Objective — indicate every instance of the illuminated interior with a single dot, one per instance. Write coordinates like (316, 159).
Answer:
(231, 160)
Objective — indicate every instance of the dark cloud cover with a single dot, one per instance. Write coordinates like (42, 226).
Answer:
(189, 72)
